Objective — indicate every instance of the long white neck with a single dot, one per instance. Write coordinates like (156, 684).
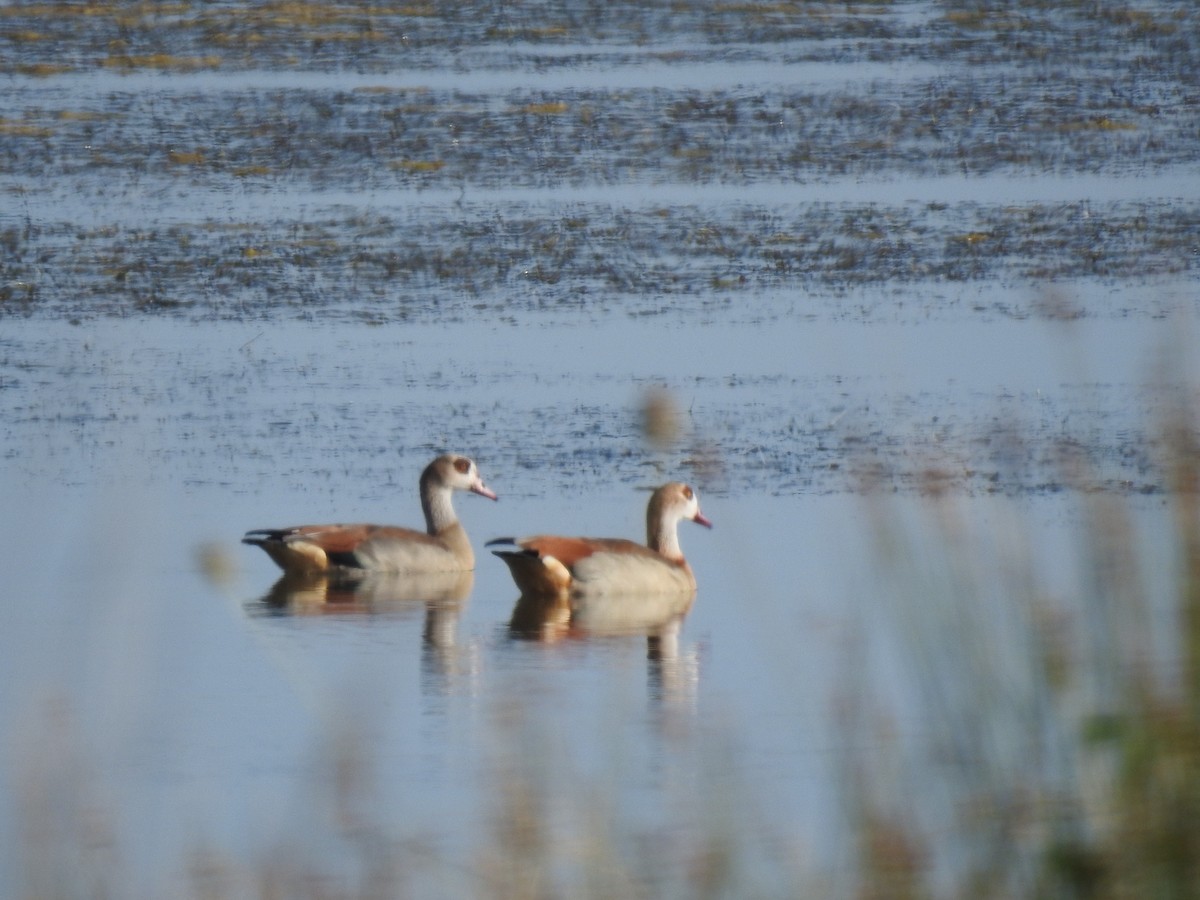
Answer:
(662, 536)
(436, 503)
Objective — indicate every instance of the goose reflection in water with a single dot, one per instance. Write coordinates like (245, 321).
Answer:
(442, 596)
(344, 593)
(673, 671)
(554, 616)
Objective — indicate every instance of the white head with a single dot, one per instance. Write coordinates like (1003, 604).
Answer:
(668, 505)
(440, 479)
(457, 473)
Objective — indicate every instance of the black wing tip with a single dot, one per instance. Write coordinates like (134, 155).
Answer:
(262, 535)
(518, 553)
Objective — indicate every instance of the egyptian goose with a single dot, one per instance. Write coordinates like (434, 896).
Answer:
(442, 547)
(551, 565)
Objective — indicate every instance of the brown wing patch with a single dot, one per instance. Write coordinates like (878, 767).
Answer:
(345, 538)
(330, 538)
(569, 551)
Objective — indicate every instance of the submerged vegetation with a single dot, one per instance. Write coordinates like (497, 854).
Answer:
(201, 117)
(422, 268)
(370, 36)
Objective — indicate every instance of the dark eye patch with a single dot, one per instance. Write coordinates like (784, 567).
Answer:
(463, 465)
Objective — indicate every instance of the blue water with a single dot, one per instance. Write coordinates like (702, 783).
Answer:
(155, 713)
(196, 720)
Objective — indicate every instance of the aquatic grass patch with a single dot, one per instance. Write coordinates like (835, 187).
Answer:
(534, 33)
(23, 129)
(162, 61)
(25, 36)
(1103, 123)
(1144, 23)
(526, 138)
(519, 258)
(187, 157)
(418, 166)
(300, 36)
(81, 115)
(43, 70)
(251, 171)
(546, 108)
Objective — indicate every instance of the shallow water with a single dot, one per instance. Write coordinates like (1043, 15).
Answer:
(894, 248)
(136, 455)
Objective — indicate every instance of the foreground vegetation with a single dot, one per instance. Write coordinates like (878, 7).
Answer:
(1063, 733)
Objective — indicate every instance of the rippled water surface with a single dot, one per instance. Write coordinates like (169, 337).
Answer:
(259, 264)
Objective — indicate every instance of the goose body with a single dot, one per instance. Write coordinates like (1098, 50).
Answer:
(592, 567)
(442, 547)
